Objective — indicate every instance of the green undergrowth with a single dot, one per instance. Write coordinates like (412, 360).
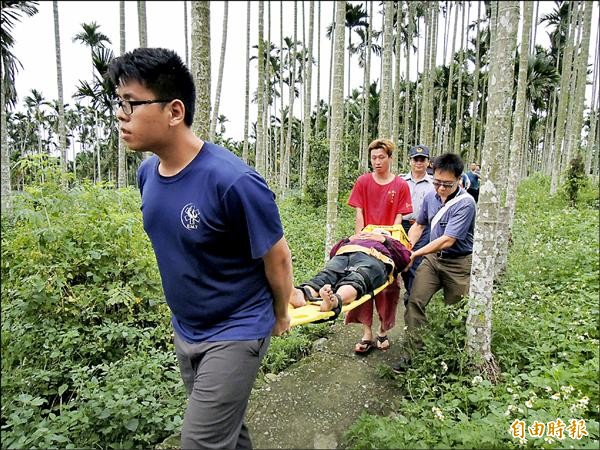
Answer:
(87, 353)
(545, 340)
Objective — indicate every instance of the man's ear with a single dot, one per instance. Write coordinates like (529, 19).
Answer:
(177, 112)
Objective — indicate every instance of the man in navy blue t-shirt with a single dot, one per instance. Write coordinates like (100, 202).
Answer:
(224, 263)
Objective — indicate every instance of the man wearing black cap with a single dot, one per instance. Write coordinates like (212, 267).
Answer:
(420, 183)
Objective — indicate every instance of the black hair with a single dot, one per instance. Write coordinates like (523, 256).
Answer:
(449, 162)
(160, 70)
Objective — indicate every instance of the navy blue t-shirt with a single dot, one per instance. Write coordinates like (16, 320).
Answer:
(210, 225)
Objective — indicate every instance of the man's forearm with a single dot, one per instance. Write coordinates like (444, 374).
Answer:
(278, 270)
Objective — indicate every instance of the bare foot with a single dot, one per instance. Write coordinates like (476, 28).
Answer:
(329, 299)
(297, 298)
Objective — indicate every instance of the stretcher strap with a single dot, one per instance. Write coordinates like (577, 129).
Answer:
(352, 248)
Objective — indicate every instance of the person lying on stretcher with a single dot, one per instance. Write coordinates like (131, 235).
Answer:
(358, 265)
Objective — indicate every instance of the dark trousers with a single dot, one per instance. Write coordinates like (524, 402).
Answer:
(409, 276)
(359, 270)
(218, 377)
(474, 193)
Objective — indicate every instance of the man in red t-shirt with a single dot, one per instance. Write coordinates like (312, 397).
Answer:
(380, 198)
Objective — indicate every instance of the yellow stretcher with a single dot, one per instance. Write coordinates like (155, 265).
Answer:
(310, 312)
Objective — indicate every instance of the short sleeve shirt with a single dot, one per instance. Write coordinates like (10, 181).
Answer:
(418, 190)
(210, 225)
(380, 203)
(457, 222)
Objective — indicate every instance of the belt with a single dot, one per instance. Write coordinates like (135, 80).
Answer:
(446, 255)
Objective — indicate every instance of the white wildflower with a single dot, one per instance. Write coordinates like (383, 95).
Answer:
(529, 404)
(438, 412)
(567, 389)
(548, 389)
(549, 440)
(522, 441)
(444, 367)
(476, 380)
(509, 390)
(584, 401)
(510, 409)
(555, 396)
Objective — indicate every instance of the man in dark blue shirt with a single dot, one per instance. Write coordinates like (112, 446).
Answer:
(215, 229)
(449, 212)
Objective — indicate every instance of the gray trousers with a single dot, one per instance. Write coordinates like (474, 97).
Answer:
(218, 377)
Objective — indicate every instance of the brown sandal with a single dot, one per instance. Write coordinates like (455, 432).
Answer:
(364, 347)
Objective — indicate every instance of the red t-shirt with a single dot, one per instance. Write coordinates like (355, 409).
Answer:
(381, 203)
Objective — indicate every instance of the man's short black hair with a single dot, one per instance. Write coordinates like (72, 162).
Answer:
(160, 70)
(449, 162)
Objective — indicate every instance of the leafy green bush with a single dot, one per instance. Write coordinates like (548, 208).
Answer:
(87, 353)
(545, 338)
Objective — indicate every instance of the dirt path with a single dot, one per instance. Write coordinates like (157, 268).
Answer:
(312, 404)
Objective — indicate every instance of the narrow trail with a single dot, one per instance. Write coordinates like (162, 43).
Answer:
(312, 404)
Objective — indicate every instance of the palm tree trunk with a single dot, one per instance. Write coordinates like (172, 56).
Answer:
(396, 100)
(427, 87)
(594, 108)
(521, 118)
(474, 97)
(318, 112)
(201, 66)
(407, 93)
(479, 319)
(581, 81)
(459, 104)
(62, 130)
(563, 105)
(121, 155)
(247, 97)
(260, 163)
(307, 99)
(185, 34)
(364, 154)
(6, 193)
(142, 23)
(215, 110)
(331, 58)
(336, 141)
(385, 94)
(572, 87)
(425, 74)
(445, 144)
(284, 175)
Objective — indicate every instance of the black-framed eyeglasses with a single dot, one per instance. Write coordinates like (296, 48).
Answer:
(127, 105)
(443, 184)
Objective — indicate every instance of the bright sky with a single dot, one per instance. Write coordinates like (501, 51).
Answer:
(35, 46)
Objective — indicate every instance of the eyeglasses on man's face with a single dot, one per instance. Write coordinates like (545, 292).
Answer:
(444, 184)
(127, 105)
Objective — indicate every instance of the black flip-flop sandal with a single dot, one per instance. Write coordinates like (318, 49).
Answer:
(381, 340)
(338, 309)
(307, 294)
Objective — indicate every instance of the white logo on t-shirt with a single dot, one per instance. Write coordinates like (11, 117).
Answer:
(190, 216)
